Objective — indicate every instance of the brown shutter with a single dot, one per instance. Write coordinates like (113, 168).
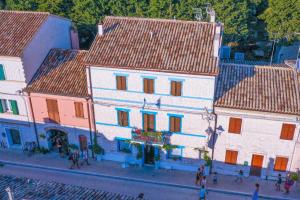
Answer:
(150, 86)
(52, 107)
(146, 88)
(257, 160)
(125, 118)
(235, 125)
(177, 124)
(118, 82)
(173, 88)
(119, 118)
(172, 124)
(281, 164)
(145, 118)
(231, 157)
(151, 122)
(79, 109)
(121, 82)
(178, 89)
(287, 131)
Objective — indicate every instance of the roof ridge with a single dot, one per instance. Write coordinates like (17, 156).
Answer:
(159, 19)
(22, 11)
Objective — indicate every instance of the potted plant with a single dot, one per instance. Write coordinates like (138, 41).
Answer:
(98, 150)
(294, 177)
(139, 155)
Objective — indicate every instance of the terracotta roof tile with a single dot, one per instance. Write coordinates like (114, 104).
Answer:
(62, 73)
(16, 29)
(155, 45)
(259, 88)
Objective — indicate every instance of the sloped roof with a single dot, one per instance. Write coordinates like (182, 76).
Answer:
(155, 45)
(260, 88)
(61, 73)
(17, 29)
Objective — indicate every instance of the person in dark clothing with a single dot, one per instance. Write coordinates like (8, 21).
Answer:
(75, 159)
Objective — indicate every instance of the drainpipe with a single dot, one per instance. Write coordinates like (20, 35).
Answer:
(33, 119)
(90, 126)
(92, 101)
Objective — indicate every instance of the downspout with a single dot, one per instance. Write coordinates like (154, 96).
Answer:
(214, 138)
(92, 101)
(90, 126)
(33, 119)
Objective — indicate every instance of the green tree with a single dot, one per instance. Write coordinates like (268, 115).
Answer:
(283, 19)
(234, 14)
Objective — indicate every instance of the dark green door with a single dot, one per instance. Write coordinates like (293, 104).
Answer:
(149, 154)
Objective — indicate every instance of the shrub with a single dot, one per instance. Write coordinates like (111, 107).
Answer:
(97, 148)
(294, 176)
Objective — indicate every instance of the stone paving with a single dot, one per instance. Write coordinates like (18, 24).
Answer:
(150, 174)
(30, 189)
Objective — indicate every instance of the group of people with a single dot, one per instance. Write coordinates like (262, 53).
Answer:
(201, 180)
(287, 184)
(75, 158)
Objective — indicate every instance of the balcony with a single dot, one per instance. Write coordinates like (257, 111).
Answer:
(149, 137)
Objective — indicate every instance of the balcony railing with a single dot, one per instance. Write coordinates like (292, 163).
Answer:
(150, 137)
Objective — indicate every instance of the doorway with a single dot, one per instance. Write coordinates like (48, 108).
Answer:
(56, 139)
(256, 165)
(83, 143)
(149, 154)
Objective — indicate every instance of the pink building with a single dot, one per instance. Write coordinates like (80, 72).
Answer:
(60, 104)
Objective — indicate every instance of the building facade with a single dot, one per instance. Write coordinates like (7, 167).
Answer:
(61, 107)
(25, 40)
(258, 107)
(153, 89)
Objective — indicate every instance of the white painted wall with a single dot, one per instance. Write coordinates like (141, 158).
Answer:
(54, 33)
(260, 134)
(197, 94)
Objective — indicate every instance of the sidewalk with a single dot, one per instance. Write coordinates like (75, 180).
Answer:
(149, 174)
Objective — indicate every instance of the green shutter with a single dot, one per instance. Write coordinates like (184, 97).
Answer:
(1, 107)
(14, 107)
(2, 76)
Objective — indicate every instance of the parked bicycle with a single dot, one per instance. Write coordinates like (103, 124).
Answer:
(29, 148)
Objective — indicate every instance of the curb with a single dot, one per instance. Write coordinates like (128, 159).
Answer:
(124, 178)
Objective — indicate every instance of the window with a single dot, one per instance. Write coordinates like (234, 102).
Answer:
(53, 113)
(235, 125)
(176, 88)
(121, 83)
(175, 152)
(14, 107)
(148, 85)
(14, 137)
(3, 106)
(123, 118)
(287, 131)
(2, 75)
(79, 110)
(231, 157)
(281, 164)
(175, 124)
(148, 122)
(124, 146)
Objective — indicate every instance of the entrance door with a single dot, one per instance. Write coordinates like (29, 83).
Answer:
(256, 165)
(82, 142)
(149, 154)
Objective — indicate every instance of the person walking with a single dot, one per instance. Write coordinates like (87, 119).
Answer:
(202, 193)
(197, 182)
(288, 184)
(75, 159)
(203, 181)
(85, 157)
(239, 178)
(255, 194)
(278, 183)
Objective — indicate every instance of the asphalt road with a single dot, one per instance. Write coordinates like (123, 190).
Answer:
(151, 191)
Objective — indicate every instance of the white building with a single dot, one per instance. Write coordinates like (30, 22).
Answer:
(25, 40)
(150, 78)
(258, 107)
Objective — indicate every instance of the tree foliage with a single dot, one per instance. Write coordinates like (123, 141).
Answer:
(283, 19)
(240, 17)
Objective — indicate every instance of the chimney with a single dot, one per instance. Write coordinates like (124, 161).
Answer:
(212, 16)
(100, 29)
(74, 38)
(217, 40)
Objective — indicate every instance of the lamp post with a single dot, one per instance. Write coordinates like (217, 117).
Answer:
(213, 132)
